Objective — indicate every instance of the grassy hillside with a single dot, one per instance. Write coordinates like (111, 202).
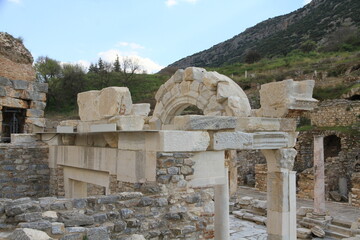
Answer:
(326, 23)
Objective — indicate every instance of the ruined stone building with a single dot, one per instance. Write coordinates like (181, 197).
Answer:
(118, 173)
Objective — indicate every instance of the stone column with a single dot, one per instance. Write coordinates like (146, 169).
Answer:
(222, 226)
(281, 194)
(233, 173)
(319, 177)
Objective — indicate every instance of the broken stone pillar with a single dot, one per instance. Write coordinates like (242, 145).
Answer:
(233, 173)
(222, 226)
(319, 177)
(281, 194)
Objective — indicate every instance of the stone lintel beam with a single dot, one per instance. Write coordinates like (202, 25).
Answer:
(165, 141)
(258, 140)
(244, 124)
(255, 124)
(198, 122)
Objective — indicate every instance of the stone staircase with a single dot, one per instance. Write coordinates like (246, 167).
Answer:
(335, 229)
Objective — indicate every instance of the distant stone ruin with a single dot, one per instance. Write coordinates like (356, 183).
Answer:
(22, 99)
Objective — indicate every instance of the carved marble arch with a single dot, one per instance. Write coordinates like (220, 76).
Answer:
(214, 94)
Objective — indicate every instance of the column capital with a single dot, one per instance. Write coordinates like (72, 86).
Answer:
(280, 159)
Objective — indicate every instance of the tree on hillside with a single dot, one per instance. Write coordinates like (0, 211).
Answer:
(128, 67)
(252, 56)
(93, 68)
(46, 69)
(117, 64)
(308, 46)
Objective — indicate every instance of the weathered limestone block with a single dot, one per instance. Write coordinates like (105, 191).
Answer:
(318, 231)
(128, 123)
(196, 122)
(277, 98)
(38, 105)
(140, 109)
(13, 102)
(34, 113)
(20, 84)
(237, 106)
(257, 140)
(194, 74)
(23, 138)
(178, 141)
(303, 233)
(88, 105)
(111, 101)
(114, 101)
(39, 122)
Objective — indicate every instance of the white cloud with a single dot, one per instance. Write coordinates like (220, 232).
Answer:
(146, 64)
(130, 45)
(171, 3)
(306, 1)
(15, 1)
(192, 1)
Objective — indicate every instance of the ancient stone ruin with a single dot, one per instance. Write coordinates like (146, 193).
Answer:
(118, 173)
(22, 99)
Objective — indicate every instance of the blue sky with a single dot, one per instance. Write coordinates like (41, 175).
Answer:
(156, 32)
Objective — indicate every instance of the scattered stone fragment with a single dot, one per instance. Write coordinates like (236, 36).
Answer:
(318, 231)
(29, 234)
(303, 233)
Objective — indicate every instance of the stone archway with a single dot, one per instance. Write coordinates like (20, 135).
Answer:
(211, 92)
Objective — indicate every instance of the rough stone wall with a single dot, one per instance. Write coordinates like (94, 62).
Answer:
(336, 167)
(169, 208)
(24, 170)
(15, 60)
(337, 112)
(355, 190)
(103, 217)
(306, 184)
(17, 86)
(246, 162)
(261, 177)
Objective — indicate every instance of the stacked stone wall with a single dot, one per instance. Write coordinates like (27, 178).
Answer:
(27, 95)
(168, 208)
(18, 88)
(114, 216)
(246, 163)
(355, 190)
(336, 167)
(337, 112)
(306, 184)
(261, 177)
(24, 170)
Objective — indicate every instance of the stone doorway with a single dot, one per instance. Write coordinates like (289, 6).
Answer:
(13, 120)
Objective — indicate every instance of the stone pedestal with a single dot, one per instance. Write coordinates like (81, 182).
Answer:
(281, 194)
(319, 177)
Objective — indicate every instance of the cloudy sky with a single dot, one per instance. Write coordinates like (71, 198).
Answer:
(155, 32)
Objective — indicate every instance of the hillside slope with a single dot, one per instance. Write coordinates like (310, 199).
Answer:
(321, 21)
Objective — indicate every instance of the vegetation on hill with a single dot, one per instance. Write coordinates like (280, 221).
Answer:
(67, 80)
(324, 24)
